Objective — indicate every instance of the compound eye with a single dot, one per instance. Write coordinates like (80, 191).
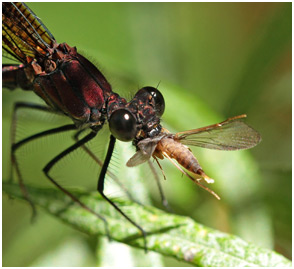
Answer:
(156, 97)
(122, 125)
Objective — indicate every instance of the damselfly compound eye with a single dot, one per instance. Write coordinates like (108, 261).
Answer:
(122, 125)
(156, 97)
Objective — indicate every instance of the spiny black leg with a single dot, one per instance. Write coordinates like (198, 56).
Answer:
(24, 190)
(100, 163)
(49, 166)
(18, 106)
(63, 128)
(17, 145)
(100, 187)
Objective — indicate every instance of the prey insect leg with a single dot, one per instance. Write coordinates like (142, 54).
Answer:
(158, 163)
(193, 179)
(162, 196)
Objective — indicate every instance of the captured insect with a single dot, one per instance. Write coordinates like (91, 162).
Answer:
(72, 86)
(231, 134)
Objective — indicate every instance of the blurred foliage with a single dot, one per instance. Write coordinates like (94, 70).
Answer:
(213, 61)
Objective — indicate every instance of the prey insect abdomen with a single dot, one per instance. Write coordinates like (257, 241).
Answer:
(180, 153)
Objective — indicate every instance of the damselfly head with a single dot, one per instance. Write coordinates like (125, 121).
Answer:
(151, 96)
(138, 119)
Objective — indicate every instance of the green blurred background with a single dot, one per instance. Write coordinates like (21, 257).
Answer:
(213, 61)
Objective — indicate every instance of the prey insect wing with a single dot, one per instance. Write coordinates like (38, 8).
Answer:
(146, 149)
(231, 134)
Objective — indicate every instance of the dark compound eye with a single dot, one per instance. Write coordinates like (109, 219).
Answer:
(122, 125)
(156, 97)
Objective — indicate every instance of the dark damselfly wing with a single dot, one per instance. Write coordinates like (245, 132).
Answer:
(23, 33)
(231, 134)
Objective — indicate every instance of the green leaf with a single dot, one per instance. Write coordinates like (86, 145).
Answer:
(168, 234)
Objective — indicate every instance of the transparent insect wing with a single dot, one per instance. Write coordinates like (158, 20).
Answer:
(138, 158)
(232, 134)
(146, 148)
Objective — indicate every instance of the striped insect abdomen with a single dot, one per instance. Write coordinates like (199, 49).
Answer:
(180, 153)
